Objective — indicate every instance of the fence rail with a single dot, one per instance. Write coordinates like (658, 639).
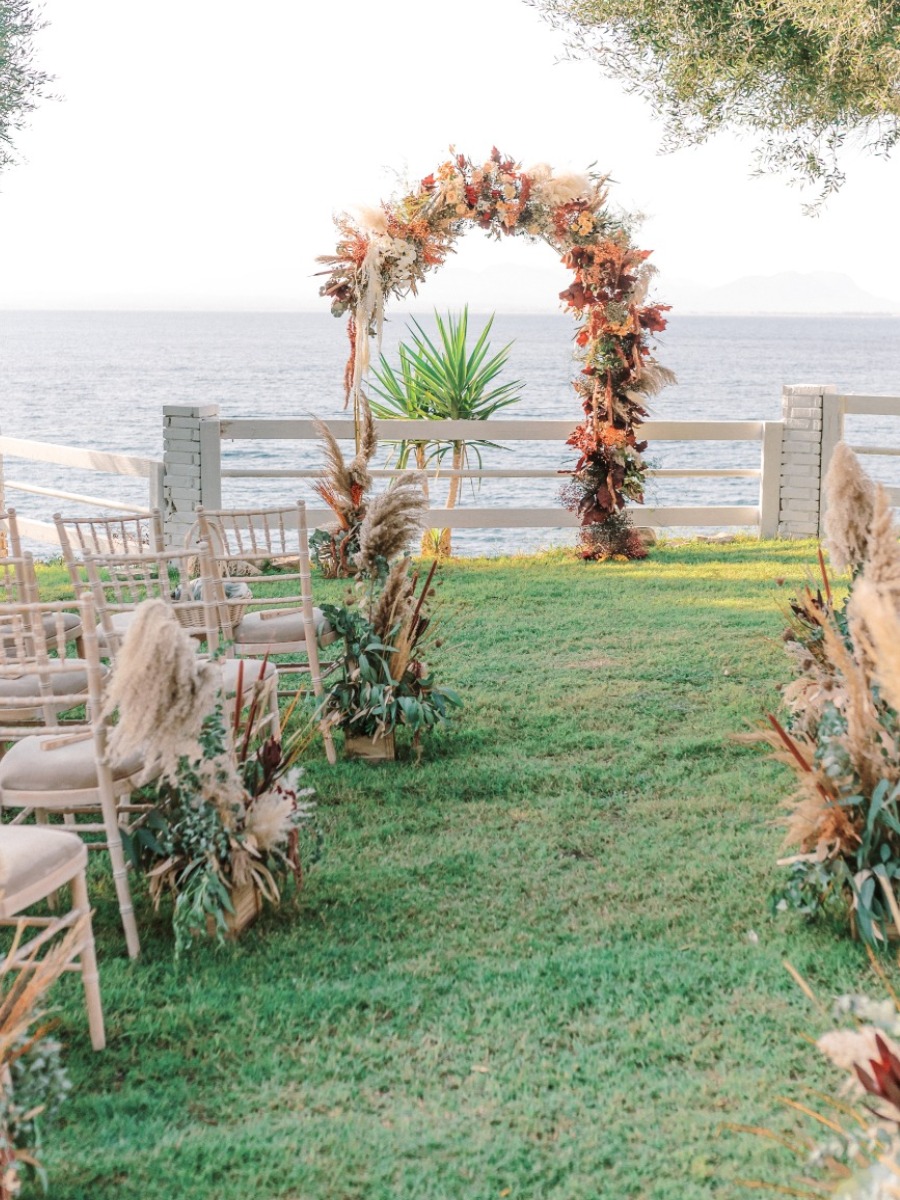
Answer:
(793, 456)
(763, 514)
(73, 457)
(834, 428)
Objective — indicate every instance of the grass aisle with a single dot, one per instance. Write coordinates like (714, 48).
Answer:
(521, 969)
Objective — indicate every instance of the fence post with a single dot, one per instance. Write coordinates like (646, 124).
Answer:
(192, 466)
(801, 459)
(832, 432)
(770, 478)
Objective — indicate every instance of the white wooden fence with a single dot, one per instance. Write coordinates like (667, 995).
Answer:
(793, 454)
(834, 428)
(71, 457)
(210, 475)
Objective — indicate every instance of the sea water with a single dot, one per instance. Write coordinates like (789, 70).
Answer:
(100, 380)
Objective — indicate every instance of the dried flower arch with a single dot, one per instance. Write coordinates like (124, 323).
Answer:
(388, 251)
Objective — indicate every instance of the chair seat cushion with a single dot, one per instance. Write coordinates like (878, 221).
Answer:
(71, 623)
(30, 853)
(230, 668)
(26, 767)
(71, 682)
(120, 622)
(274, 626)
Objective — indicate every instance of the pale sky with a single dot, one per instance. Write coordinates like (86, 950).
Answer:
(199, 148)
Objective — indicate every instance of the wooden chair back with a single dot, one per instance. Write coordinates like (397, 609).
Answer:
(256, 538)
(132, 533)
(119, 582)
(10, 541)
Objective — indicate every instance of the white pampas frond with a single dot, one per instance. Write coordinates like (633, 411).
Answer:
(269, 821)
(358, 470)
(882, 565)
(162, 690)
(850, 500)
(652, 379)
(876, 610)
(392, 520)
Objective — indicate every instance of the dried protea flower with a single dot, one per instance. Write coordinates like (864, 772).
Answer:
(850, 500)
(162, 689)
(883, 1077)
(392, 520)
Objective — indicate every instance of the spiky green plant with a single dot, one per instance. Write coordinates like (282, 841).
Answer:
(445, 380)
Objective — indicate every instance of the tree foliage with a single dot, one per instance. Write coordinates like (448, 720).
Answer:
(21, 83)
(806, 77)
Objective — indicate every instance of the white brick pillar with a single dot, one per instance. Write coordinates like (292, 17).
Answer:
(801, 460)
(191, 459)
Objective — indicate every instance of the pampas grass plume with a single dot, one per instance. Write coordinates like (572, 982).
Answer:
(392, 521)
(850, 500)
(882, 566)
(162, 689)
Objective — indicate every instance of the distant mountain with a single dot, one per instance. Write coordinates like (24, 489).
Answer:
(516, 287)
(786, 292)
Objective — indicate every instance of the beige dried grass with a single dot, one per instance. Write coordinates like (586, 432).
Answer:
(336, 489)
(874, 610)
(864, 737)
(882, 565)
(269, 821)
(396, 599)
(392, 521)
(850, 501)
(162, 689)
(345, 484)
(23, 1023)
(20, 999)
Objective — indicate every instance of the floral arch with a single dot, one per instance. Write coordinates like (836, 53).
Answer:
(389, 250)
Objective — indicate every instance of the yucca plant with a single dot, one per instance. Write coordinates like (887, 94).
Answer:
(445, 380)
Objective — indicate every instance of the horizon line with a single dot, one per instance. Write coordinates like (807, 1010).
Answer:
(513, 312)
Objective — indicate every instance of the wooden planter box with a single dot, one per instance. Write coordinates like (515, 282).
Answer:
(377, 749)
(247, 904)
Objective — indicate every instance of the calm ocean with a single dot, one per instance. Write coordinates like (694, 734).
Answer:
(100, 379)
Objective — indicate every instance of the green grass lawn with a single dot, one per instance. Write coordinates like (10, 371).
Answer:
(523, 968)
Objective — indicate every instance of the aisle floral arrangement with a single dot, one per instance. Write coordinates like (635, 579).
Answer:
(380, 682)
(227, 805)
(853, 1150)
(387, 252)
(842, 733)
(33, 1080)
(345, 488)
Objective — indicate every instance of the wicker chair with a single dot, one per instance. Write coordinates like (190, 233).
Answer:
(281, 619)
(60, 769)
(34, 864)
